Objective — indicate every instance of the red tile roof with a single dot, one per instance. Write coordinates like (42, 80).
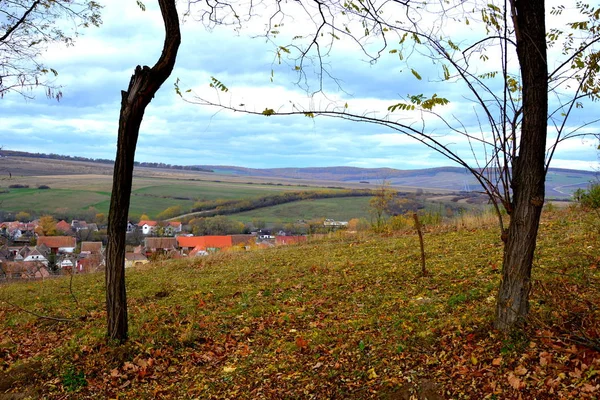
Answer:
(204, 242)
(149, 223)
(92, 247)
(55, 242)
(63, 226)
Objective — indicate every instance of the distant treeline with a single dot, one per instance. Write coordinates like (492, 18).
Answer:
(13, 153)
(225, 207)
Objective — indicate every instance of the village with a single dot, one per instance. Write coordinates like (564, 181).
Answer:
(26, 252)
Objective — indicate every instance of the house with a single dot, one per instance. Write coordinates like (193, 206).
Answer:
(148, 227)
(131, 227)
(37, 255)
(160, 244)
(285, 240)
(172, 228)
(89, 262)
(135, 259)
(335, 224)
(58, 244)
(91, 247)
(206, 243)
(66, 264)
(64, 227)
(77, 225)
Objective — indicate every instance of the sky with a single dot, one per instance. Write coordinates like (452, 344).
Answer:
(94, 71)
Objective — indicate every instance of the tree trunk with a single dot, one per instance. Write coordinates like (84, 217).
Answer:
(144, 83)
(529, 169)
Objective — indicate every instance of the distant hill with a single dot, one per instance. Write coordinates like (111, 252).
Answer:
(561, 183)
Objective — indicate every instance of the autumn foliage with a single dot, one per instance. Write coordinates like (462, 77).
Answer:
(346, 316)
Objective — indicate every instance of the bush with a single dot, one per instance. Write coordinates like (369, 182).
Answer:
(589, 198)
(17, 186)
(41, 187)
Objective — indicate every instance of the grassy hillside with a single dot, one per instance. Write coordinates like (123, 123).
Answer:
(344, 208)
(77, 193)
(347, 316)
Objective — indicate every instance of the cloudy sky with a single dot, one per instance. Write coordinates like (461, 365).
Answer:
(95, 70)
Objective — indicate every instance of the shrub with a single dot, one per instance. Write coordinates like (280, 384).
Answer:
(17, 186)
(589, 198)
(41, 187)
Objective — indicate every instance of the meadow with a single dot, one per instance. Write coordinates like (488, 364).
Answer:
(150, 195)
(344, 316)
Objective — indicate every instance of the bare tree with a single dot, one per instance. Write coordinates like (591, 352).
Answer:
(143, 85)
(27, 28)
(510, 146)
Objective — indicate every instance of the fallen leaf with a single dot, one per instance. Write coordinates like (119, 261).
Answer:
(589, 388)
(515, 382)
(497, 361)
(520, 370)
(301, 342)
(371, 374)
(229, 369)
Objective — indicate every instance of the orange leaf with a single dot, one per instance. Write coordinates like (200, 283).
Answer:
(515, 382)
(520, 370)
(301, 342)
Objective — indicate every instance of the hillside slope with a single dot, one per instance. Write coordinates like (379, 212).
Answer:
(347, 316)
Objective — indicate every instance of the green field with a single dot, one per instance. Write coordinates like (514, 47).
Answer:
(77, 193)
(343, 208)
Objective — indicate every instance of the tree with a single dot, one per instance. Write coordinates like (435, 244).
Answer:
(509, 98)
(23, 216)
(169, 212)
(143, 85)
(100, 218)
(27, 27)
(47, 226)
(380, 202)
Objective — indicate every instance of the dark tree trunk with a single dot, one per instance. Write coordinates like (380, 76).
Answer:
(529, 169)
(144, 83)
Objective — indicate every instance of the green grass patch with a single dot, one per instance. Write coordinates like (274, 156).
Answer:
(343, 208)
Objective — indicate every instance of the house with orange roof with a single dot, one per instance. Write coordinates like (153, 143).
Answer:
(148, 227)
(91, 247)
(206, 243)
(173, 227)
(63, 226)
(58, 244)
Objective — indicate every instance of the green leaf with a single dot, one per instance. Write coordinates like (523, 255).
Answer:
(401, 107)
(218, 84)
(141, 5)
(416, 74)
(268, 112)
